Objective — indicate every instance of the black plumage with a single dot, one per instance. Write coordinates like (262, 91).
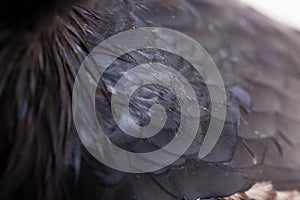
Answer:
(42, 48)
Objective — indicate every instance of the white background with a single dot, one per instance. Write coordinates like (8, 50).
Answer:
(284, 11)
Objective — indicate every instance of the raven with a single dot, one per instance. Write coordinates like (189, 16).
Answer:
(42, 45)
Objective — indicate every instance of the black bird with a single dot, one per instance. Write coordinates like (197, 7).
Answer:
(42, 45)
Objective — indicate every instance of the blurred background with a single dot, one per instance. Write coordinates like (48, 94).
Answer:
(284, 11)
